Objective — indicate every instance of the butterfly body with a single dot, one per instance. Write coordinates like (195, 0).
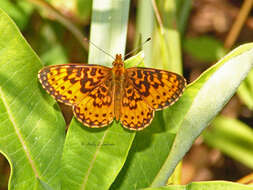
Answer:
(118, 76)
(100, 94)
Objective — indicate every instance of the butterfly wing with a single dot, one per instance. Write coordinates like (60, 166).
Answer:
(70, 83)
(96, 109)
(158, 88)
(135, 113)
(83, 87)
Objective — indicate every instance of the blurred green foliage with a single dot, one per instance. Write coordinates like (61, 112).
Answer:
(204, 48)
(19, 11)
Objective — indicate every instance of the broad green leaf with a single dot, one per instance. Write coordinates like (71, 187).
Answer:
(92, 158)
(203, 100)
(217, 185)
(31, 128)
(232, 137)
(42, 185)
(149, 150)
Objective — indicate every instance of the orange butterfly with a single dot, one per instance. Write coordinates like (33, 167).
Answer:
(98, 94)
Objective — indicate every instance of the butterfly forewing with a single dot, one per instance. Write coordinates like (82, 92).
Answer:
(158, 88)
(70, 83)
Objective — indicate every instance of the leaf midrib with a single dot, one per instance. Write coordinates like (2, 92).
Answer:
(21, 139)
(85, 180)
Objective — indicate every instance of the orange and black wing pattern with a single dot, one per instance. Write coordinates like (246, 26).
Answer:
(84, 87)
(136, 114)
(147, 90)
(158, 88)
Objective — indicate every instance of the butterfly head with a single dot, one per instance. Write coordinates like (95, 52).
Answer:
(118, 62)
(118, 66)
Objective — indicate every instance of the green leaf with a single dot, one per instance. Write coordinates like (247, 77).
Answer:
(137, 60)
(217, 185)
(183, 12)
(203, 100)
(41, 184)
(144, 28)
(148, 152)
(245, 91)
(31, 129)
(167, 49)
(232, 137)
(95, 156)
(92, 158)
(108, 30)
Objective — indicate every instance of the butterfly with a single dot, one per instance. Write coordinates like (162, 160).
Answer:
(100, 94)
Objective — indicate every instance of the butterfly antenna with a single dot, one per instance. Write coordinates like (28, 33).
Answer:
(142, 44)
(85, 39)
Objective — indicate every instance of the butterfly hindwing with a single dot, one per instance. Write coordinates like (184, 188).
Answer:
(97, 108)
(136, 114)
